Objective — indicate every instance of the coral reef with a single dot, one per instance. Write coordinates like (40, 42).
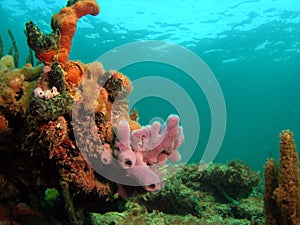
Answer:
(73, 153)
(282, 188)
(65, 125)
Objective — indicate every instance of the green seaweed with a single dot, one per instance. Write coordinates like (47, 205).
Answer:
(14, 51)
(226, 196)
(1, 47)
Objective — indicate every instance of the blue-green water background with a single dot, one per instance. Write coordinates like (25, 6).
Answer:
(252, 47)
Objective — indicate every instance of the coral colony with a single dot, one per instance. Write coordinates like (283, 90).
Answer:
(63, 81)
(44, 97)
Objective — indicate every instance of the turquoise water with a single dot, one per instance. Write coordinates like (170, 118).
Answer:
(252, 48)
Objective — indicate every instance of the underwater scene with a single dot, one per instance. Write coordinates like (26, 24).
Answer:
(149, 112)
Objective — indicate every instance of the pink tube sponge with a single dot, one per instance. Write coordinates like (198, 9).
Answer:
(159, 143)
(125, 155)
(141, 151)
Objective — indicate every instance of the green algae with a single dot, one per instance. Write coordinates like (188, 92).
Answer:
(188, 199)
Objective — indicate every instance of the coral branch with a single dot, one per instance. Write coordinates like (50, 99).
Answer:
(65, 21)
(57, 45)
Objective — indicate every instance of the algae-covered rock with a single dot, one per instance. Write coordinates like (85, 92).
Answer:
(175, 198)
(234, 179)
(186, 199)
(137, 214)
